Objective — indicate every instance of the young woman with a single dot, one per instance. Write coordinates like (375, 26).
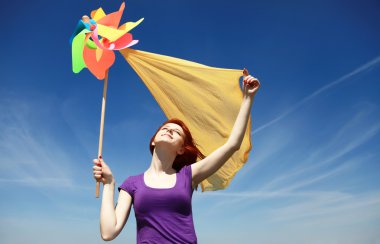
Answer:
(161, 196)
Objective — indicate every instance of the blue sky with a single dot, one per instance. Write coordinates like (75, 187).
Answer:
(313, 174)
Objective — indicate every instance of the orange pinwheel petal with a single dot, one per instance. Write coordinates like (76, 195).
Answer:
(98, 66)
(112, 19)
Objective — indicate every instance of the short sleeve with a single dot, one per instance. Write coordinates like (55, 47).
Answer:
(128, 186)
(187, 175)
(188, 172)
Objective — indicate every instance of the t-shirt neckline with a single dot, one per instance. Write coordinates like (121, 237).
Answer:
(154, 188)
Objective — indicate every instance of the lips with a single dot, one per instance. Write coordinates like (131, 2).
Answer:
(168, 135)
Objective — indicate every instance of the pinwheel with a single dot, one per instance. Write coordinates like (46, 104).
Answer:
(93, 43)
(88, 50)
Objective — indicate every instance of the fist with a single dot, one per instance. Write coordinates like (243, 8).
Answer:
(251, 84)
(102, 172)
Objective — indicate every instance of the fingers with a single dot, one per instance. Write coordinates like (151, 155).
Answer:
(97, 169)
(251, 85)
(98, 161)
(245, 72)
(101, 171)
(250, 80)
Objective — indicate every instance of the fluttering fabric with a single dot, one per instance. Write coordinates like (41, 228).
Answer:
(207, 99)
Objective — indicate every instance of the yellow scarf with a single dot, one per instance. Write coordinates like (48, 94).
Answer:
(207, 99)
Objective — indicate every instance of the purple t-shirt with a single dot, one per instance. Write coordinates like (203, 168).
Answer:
(163, 215)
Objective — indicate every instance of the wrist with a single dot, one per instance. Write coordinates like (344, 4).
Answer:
(110, 181)
(248, 97)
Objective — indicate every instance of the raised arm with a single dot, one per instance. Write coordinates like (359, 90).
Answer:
(112, 219)
(209, 165)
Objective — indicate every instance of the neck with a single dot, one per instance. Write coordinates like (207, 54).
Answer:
(162, 161)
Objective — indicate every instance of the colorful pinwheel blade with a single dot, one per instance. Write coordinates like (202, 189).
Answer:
(112, 19)
(113, 34)
(77, 51)
(98, 65)
(97, 14)
(130, 25)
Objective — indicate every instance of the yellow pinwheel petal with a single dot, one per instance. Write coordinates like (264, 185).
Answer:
(97, 14)
(130, 25)
(110, 33)
(113, 34)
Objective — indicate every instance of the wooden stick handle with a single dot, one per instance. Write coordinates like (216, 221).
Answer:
(100, 148)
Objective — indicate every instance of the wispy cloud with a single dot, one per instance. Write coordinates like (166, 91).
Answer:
(272, 144)
(320, 175)
(310, 207)
(318, 205)
(29, 155)
(39, 182)
(366, 67)
(309, 216)
(332, 153)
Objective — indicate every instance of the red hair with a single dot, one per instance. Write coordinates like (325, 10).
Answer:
(191, 151)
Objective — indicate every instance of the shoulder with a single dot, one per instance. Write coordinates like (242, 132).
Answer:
(130, 184)
(185, 170)
(186, 173)
(131, 179)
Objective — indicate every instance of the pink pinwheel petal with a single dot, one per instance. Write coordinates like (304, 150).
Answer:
(134, 42)
(94, 36)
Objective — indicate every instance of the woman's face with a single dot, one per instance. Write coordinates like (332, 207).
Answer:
(171, 134)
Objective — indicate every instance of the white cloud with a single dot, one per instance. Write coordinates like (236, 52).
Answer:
(331, 154)
(29, 154)
(366, 67)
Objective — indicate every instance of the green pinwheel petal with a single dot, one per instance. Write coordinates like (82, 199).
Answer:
(91, 44)
(77, 51)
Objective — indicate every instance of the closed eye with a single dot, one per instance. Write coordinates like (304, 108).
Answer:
(176, 131)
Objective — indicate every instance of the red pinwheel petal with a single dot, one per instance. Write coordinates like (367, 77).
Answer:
(123, 41)
(98, 67)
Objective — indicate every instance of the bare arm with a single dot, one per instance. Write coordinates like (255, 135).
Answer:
(112, 220)
(209, 165)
